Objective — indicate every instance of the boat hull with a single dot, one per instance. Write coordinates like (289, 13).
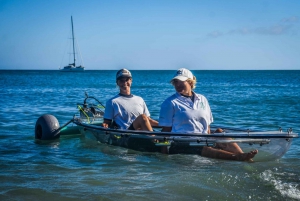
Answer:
(268, 149)
(72, 69)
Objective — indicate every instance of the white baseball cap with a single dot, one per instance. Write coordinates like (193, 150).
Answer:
(123, 73)
(183, 74)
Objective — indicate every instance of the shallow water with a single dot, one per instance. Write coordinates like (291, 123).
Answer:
(76, 168)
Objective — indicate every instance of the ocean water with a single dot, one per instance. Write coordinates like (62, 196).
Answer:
(75, 168)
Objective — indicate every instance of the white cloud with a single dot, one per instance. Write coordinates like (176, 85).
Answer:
(273, 30)
(293, 19)
(242, 31)
(215, 34)
(281, 28)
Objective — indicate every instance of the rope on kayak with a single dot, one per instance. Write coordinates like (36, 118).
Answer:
(82, 110)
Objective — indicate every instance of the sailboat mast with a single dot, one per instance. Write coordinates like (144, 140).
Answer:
(73, 40)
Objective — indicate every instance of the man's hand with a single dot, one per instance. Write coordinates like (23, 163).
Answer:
(105, 125)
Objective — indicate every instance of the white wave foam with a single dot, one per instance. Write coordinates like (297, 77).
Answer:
(286, 189)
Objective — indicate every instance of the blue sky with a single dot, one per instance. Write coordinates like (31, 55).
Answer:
(199, 35)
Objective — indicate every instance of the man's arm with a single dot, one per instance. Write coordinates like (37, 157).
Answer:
(153, 122)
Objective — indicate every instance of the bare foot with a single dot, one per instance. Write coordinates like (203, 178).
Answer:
(247, 156)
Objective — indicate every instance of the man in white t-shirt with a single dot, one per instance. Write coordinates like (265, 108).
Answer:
(127, 111)
(188, 112)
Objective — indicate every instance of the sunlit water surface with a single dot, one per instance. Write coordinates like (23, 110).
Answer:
(75, 168)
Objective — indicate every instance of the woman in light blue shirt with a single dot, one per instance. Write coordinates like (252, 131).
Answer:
(188, 112)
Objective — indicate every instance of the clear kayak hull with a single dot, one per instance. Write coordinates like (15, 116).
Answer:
(270, 145)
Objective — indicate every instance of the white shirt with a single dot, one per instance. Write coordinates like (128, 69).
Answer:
(184, 115)
(125, 109)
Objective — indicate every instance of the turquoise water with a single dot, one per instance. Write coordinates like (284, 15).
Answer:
(75, 168)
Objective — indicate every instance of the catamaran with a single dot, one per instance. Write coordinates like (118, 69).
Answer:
(72, 66)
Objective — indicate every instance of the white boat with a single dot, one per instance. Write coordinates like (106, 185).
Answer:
(72, 67)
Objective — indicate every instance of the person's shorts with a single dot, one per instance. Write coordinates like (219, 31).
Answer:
(131, 127)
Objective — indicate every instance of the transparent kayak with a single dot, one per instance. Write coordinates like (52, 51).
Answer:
(271, 145)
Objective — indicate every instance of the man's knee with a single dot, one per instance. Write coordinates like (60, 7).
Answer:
(142, 122)
(141, 119)
(219, 130)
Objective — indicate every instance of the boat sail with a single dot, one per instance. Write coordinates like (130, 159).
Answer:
(72, 66)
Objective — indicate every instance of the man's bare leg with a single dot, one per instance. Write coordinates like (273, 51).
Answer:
(142, 123)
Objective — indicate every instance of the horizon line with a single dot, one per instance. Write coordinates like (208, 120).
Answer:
(147, 69)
